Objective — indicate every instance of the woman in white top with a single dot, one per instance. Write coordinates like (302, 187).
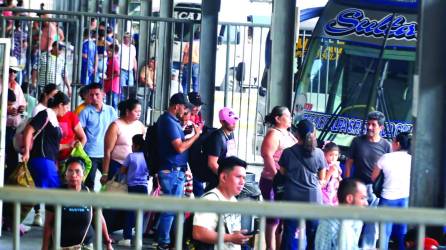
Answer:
(118, 138)
(396, 169)
(48, 92)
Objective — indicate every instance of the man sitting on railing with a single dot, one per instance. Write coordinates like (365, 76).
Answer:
(351, 192)
(231, 179)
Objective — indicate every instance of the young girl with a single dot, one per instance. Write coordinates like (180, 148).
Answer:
(333, 176)
(137, 172)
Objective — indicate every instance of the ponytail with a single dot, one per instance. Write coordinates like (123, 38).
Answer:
(304, 130)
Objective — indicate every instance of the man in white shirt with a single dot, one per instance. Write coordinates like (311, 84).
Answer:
(231, 173)
(128, 64)
(331, 233)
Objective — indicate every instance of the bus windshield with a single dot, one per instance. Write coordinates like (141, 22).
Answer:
(342, 80)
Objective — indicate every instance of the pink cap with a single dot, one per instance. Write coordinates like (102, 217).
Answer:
(226, 114)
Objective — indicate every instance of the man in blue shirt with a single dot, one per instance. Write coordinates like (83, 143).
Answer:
(336, 234)
(95, 119)
(173, 156)
(89, 59)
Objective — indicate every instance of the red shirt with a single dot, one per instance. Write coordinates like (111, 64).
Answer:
(67, 124)
(196, 119)
(113, 70)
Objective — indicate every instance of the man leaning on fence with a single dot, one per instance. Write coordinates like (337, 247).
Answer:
(331, 233)
(231, 180)
(173, 158)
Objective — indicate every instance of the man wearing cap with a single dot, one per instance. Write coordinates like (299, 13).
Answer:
(365, 151)
(196, 117)
(51, 69)
(128, 64)
(173, 156)
(220, 144)
(14, 113)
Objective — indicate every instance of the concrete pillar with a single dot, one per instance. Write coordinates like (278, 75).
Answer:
(208, 52)
(164, 51)
(428, 164)
(282, 36)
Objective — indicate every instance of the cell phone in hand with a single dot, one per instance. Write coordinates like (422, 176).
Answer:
(254, 232)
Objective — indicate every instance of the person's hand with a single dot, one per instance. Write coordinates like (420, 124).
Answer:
(197, 129)
(25, 157)
(239, 238)
(104, 179)
(21, 109)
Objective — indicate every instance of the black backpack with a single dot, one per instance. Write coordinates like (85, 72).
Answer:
(198, 161)
(150, 149)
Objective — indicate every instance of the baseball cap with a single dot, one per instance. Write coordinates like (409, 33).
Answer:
(195, 99)
(430, 243)
(227, 114)
(179, 98)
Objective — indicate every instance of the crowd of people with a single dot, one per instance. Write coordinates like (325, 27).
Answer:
(107, 126)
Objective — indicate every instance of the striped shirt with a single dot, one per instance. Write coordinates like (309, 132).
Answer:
(51, 70)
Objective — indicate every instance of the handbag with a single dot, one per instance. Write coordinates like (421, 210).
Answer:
(115, 186)
(20, 177)
(378, 185)
(279, 186)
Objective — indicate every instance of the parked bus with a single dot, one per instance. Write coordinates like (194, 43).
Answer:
(361, 57)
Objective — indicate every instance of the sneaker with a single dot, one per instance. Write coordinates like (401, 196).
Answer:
(163, 247)
(37, 220)
(125, 243)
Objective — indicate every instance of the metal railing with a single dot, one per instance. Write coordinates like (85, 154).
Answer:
(419, 216)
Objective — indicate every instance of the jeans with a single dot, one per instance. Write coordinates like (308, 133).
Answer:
(289, 240)
(126, 83)
(185, 81)
(102, 68)
(130, 215)
(172, 184)
(369, 230)
(399, 230)
(112, 99)
(198, 188)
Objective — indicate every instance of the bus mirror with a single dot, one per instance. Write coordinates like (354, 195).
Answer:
(219, 40)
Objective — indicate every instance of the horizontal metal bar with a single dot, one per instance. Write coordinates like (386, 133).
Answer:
(28, 18)
(101, 15)
(268, 209)
(245, 24)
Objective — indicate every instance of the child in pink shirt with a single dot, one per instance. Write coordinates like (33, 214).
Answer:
(111, 81)
(333, 176)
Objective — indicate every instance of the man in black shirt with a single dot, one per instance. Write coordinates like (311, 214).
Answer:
(365, 151)
(220, 144)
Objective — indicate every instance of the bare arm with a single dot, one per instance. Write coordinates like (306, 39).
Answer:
(47, 230)
(109, 143)
(269, 147)
(181, 146)
(211, 237)
(375, 173)
(321, 174)
(80, 134)
(213, 163)
(28, 137)
(348, 167)
(34, 77)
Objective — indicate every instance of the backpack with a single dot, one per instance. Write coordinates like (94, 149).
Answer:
(198, 159)
(151, 150)
(19, 140)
